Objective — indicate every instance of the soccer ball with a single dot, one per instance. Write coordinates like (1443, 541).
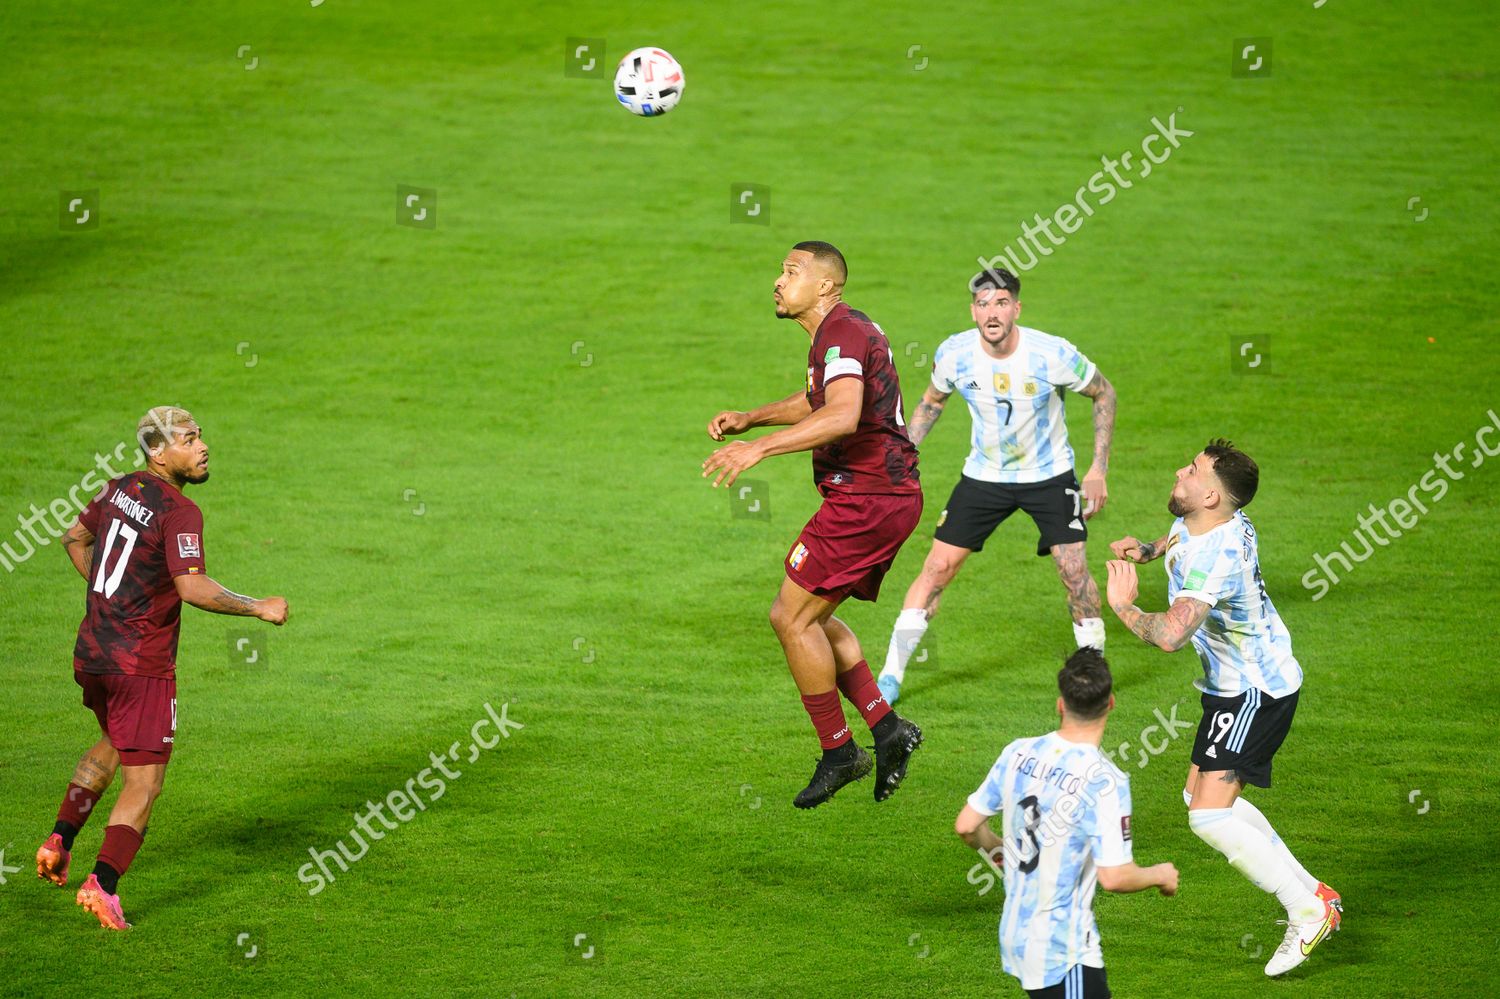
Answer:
(649, 82)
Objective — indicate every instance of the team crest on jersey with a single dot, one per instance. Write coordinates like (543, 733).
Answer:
(1002, 381)
(188, 546)
(1029, 388)
(798, 556)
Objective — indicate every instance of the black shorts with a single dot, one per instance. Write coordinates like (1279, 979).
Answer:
(976, 508)
(1242, 733)
(1081, 982)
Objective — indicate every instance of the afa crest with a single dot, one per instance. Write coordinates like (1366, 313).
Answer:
(1002, 382)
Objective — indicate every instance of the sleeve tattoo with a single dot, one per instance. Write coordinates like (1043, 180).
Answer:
(1103, 394)
(922, 420)
(1169, 631)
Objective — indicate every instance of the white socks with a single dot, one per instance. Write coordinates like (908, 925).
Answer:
(911, 625)
(1089, 632)
(1250, 852)
(1246, 812)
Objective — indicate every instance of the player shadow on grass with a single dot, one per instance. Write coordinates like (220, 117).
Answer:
(272, 832)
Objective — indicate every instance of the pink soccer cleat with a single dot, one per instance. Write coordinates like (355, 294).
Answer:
(102, 904)
(52, 861)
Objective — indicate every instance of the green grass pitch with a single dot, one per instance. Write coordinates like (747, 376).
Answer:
(469, 456)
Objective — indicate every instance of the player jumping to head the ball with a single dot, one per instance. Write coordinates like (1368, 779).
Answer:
(139, 546)
(1250, 679)
(1014, 380)
(865, 467)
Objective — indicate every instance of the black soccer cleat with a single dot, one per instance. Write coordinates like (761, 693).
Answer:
(830, 776)
(891, 757)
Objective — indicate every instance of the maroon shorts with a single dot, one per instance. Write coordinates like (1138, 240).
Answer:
(137, 713)
(850, 543)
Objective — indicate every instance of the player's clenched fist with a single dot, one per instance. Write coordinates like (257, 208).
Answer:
(728, 423)
(1167, 874)
(273, 610)
(1124, 585)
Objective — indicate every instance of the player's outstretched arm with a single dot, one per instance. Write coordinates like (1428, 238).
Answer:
(929, 408)
(839, 417)
(205, 594)
(792, 409)
(1127, 878)
(1168, 632)
(79, 544)
(1095, 491)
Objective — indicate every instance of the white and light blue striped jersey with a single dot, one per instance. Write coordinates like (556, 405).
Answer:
(1067, 813)
(1019, 433)
(1243, 642)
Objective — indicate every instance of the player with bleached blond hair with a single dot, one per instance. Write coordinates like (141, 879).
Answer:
(139, 546)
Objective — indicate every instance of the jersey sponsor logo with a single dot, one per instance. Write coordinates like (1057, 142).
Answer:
(1002, 381)
(1125, 828)
(799, 555)
(1195, 580)
(188, 546)
(1211, 752)
(973, 385)
(833, 353)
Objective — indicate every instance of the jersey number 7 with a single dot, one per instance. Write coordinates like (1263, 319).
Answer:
(128, 534)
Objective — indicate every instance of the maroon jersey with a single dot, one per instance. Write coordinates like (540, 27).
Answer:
(878, 457)
(145, 533)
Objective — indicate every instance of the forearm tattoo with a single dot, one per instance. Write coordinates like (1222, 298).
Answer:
(227, 602)
(922, 420)
(1104, 418)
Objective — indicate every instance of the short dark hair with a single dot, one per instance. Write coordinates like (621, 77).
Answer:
(995, 277)
(1085, 684)
(1236, 469)
(828, 255)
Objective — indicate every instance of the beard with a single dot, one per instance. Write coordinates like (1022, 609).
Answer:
(196, 477)
(1176, 507)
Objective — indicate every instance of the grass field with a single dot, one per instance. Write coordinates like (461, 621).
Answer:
(468, 455)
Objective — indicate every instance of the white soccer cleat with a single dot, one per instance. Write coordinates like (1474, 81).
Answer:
(1300, 940)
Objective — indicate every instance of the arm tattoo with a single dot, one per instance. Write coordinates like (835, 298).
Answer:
(227, 602)
(1169, 631)
(1104, 417)
(922, 420)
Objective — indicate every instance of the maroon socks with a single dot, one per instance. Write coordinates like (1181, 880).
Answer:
(859, 687)
(74, 812)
